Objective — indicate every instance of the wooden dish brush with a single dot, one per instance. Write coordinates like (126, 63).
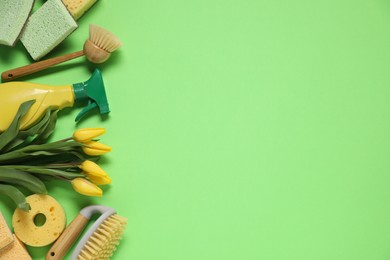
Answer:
(99, 242)
(97, 49)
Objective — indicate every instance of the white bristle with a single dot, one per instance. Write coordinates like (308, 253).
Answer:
(103, 39)
(104, 241)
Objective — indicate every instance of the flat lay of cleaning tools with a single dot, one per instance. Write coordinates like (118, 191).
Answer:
(97, 48)
(32, 165)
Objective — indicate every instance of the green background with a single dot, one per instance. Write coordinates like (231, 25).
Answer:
(241, 129)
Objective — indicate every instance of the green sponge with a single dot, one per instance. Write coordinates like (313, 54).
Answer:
(46, 28)
(13, 16)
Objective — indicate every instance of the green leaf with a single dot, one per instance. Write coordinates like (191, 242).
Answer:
(48, 130)
(19, 177)
(42, 170)
(12, 131)
(75, 156)
(39, 126)
(16, 195)
(32, 152)
(23, 136)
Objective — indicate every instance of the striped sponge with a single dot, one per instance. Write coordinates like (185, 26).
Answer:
(16, 250)
(6, 237)
(46, 28)
(78, 7)
(13, 16)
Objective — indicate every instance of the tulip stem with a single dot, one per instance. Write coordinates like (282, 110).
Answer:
(45, 171)
(64, 165)
(65, 139)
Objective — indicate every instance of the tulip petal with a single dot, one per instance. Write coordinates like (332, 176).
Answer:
(84, 135)
(100, 180)
(86, 187)
(95, 148)
(92, 169)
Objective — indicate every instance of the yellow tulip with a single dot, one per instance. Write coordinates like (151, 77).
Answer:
(86, 187)
(84, 135)
(95, 148)
(100, 180)
(92, 169)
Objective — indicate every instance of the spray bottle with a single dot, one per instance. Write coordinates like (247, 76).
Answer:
(13, 94)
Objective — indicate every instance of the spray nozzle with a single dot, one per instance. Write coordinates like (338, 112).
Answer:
(91, 91)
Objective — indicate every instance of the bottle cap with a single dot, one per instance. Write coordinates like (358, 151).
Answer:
(91, 91)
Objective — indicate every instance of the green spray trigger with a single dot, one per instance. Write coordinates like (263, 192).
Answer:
(91, 91)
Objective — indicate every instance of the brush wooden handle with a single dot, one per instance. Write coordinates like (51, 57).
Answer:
(65, 241)
(38, 66)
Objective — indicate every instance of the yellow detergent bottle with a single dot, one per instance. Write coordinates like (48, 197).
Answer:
(13, 94)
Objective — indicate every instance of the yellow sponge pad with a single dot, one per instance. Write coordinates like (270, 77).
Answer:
(6, 237)
(78, 7)
(15, 251)
(32, 234)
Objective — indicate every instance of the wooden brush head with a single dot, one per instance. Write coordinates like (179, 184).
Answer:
(95, 54)
(100, 45)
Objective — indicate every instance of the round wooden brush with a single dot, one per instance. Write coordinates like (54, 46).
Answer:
(97, 49)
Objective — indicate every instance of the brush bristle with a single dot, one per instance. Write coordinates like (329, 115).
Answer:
(103, 242)
(103, 39)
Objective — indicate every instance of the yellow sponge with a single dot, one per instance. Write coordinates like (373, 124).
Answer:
(6, 237)
(33, 235)
(15, 251)
(78, 7)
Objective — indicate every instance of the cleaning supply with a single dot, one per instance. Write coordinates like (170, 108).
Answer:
(100, 45)
(97, 49)
(6, 237)
(46, 28)
(78, 7)
(15, 250)
(13, 16)
(52, 216)
(100, 240)
(13, 94)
